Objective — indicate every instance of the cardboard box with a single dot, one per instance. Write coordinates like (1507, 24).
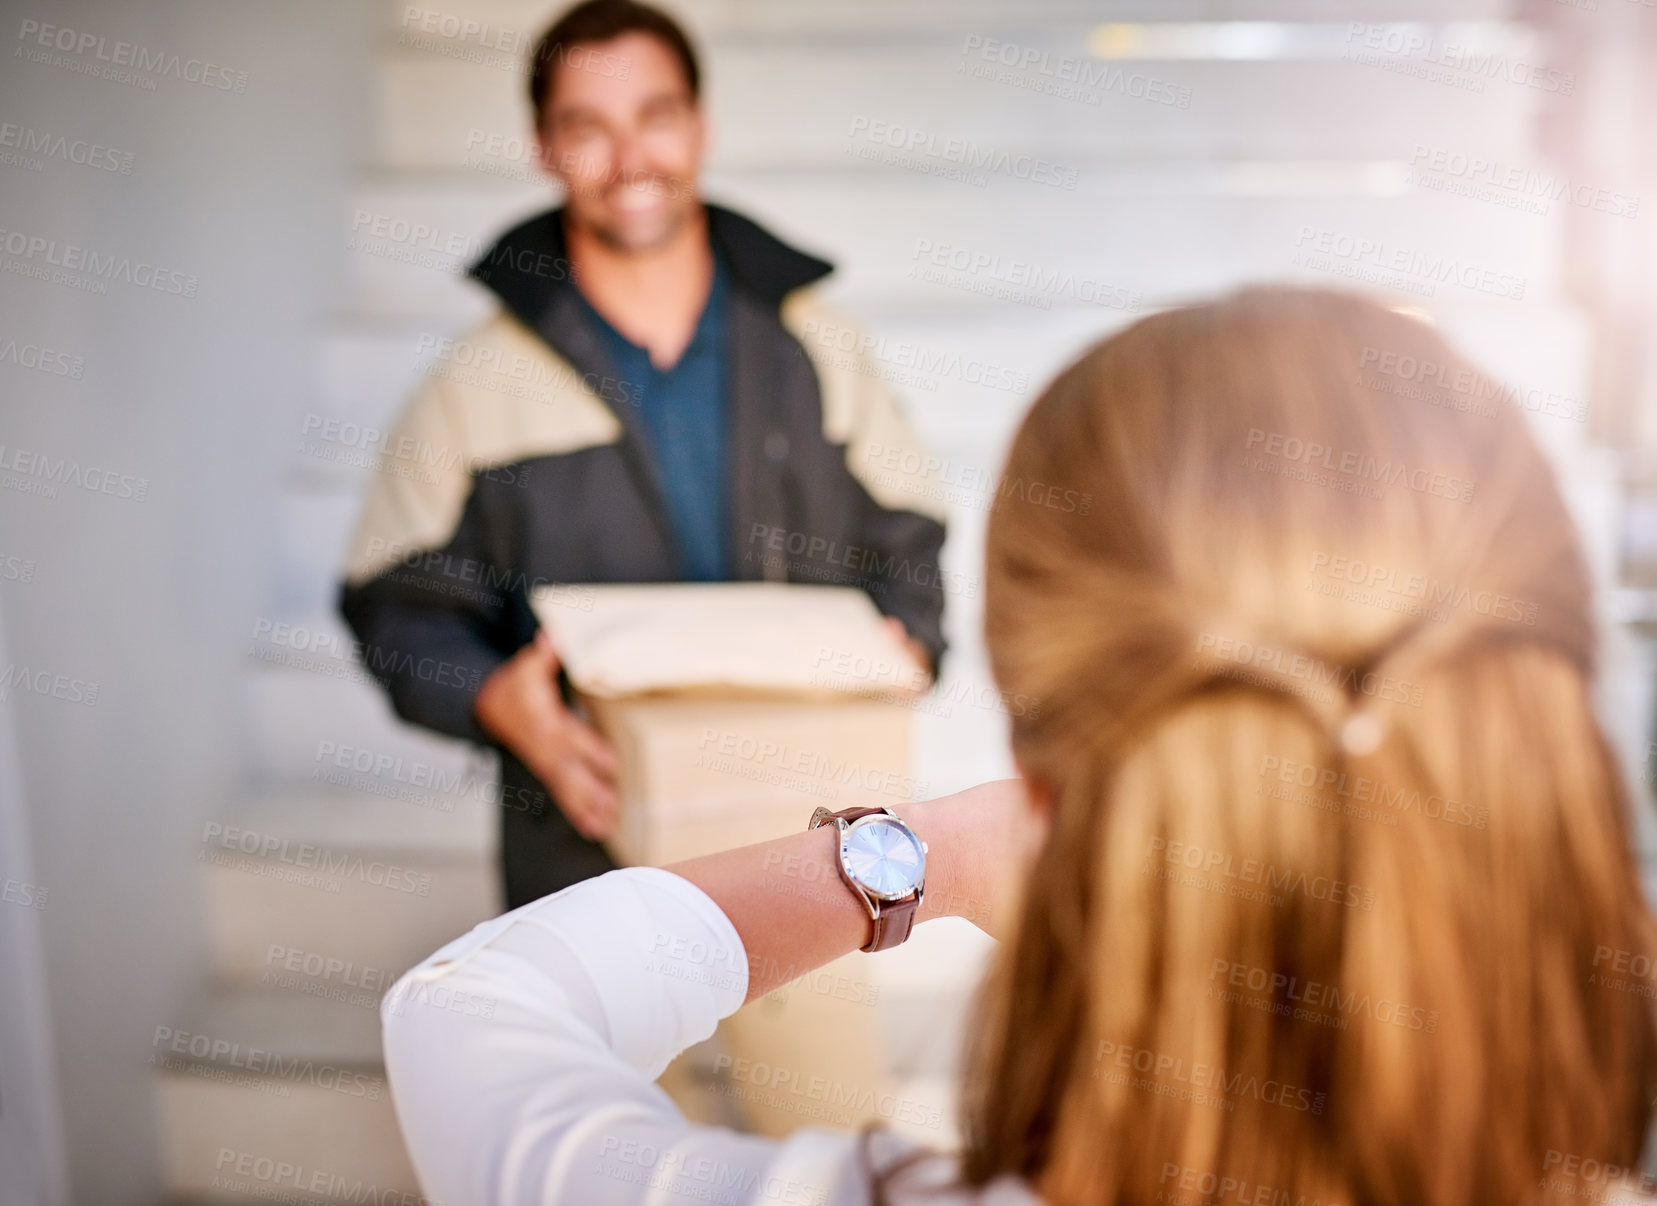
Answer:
(736, 710)
(725, 639)
(702, 775)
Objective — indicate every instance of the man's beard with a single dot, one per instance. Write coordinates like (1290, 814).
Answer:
(614, 236)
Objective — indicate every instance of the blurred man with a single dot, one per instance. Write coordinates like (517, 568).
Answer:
(657, 399)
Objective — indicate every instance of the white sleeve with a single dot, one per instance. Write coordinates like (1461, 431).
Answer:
(521, 1059)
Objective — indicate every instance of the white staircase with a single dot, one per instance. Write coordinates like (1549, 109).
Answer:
(1169, 203)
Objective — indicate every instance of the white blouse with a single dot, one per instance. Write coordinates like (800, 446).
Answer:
(522, 1059)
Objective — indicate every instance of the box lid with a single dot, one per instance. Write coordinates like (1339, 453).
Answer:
(725, 638)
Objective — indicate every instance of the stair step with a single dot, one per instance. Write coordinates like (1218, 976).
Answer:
(798, 101)
(343, 878)
(295, 1025)
(404, 806)
(920, 244)
(416, 256)
(715, 23)
(310, 697)
(292, 1099)
(369, 371)
(927, 244)
(313, 537)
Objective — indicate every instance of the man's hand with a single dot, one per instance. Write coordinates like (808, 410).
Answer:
(920, 654)
(520, 707)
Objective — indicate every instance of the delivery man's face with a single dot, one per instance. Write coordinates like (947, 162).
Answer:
(623, 134)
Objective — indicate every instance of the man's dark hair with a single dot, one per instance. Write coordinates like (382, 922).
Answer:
(599, 21)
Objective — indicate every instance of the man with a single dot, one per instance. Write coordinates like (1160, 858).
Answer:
(658, 399)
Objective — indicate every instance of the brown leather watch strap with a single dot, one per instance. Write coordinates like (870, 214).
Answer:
(892, 925)
(847, 815)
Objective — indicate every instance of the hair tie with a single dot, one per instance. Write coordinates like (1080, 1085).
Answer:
(1361, 733)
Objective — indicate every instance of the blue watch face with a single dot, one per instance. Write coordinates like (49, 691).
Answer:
(884, 857)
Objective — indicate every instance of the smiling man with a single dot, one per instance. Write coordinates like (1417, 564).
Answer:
(658, 398)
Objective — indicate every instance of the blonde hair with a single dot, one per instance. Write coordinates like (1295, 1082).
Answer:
(1337, 845)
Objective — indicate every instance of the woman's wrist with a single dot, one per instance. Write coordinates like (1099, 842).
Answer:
(976, 839)
(794, 912)
(940, 828)
(952, 873)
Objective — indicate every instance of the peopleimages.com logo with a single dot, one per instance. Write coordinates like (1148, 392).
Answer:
(1358, 467)
(38, 256)
(39, 41)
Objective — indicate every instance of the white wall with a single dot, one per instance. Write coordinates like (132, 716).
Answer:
(31, 1124)
(150, 599)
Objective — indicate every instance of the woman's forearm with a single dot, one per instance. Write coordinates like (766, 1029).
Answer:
(795, 913)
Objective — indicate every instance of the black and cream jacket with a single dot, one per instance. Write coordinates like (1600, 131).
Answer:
(522, 461)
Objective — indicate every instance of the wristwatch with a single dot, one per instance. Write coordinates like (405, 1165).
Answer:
(884, 863)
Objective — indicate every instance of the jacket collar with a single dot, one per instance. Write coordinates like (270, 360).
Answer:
(529, 264)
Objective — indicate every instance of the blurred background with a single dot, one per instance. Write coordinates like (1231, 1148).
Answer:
(227, 264)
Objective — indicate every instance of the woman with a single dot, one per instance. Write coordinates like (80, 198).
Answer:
(1316, 887)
